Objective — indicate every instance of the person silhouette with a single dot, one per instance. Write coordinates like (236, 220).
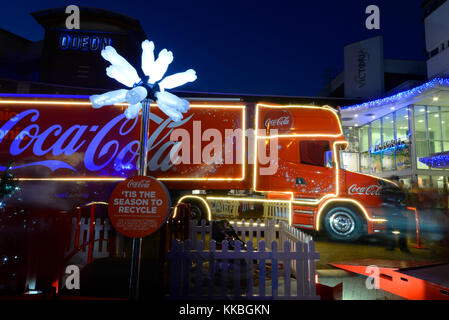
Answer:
(397, 222)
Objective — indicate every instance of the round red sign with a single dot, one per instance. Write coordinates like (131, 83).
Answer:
(138, 206)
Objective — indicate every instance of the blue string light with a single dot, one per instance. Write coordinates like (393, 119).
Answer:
(402, 96)
(437, 160)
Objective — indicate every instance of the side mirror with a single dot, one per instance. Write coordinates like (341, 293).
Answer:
(328, 159)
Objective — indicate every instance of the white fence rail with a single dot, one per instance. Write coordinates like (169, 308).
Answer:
(262, 269)
(230, 209)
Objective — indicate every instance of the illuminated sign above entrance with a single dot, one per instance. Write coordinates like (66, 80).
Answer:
(390, 145)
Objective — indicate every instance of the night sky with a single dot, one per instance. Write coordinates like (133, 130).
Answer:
(257, 47)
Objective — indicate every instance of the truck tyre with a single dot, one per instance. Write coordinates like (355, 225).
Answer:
(343, 224)
(197, 212)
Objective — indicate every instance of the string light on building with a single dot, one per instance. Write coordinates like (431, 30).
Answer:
(402, 96)
(437, 160)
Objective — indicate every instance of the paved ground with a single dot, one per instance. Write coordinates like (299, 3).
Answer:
(354, 287)
(434, 236)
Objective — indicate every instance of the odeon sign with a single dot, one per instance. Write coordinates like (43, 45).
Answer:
(83, 42)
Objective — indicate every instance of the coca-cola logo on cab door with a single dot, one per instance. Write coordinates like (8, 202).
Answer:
(282, 120)
(372, 190)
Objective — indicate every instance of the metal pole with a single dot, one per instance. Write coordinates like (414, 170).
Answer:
(137, 242)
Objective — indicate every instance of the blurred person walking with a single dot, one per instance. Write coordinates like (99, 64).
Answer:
(397, 222)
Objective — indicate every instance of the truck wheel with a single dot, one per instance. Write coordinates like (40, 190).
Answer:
(343, 224)
(197, 213)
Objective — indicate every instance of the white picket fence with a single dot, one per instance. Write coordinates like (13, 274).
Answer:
(230, 209)
(261, 270)
(276, 210)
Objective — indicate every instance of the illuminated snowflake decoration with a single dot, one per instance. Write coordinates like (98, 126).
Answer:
(151, 86)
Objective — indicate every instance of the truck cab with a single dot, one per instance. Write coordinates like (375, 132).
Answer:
(324, 196)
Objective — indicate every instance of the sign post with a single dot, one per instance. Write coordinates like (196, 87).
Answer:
(151, 86)
(139, 205)
(137, 243)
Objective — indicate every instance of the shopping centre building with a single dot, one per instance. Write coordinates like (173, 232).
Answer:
(401, 130)
(404, 135)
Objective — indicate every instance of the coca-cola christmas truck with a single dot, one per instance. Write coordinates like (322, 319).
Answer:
(66, 154)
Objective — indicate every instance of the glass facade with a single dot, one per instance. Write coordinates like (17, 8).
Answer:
(384, 143)
(431, 132)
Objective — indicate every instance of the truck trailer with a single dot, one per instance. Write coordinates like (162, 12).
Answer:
(65, 154)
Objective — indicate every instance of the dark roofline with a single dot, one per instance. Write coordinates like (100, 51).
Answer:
(16, 36)
(272, 98)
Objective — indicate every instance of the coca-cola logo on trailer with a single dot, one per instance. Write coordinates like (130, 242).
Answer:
(282, 120)
(110, 144)
(372, 190)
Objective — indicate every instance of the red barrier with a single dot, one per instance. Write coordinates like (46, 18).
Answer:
(418, 238)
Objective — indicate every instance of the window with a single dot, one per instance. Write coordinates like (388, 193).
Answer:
(313, 152)
(376, 158)
(421, 151)
(420, 123)
(363, 138)
(445, 127)
(375, 133)
(364, 162)
(424, 182)
(433, 118)
(421, 135)
(402, 127)
(387, 128)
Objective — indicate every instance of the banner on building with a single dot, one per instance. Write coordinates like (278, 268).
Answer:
(364, 68)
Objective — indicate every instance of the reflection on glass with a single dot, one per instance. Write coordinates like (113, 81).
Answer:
(445, 122)
(388, 160)
(387, 128)
(421, 151)
(403, 158)
(364, 161)
(375, 133)
(376, 162)
(433, 119)
(402, 126)
(420, 122)
(424, 182)
(363, 138)
(435, 147)
(446, 145)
